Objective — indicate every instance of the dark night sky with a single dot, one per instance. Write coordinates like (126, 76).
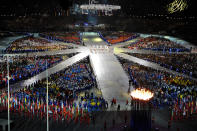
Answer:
(65, 4)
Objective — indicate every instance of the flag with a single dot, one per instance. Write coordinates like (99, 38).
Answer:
(172, 113)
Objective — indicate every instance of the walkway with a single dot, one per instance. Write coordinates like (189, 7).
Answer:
(45, 53)
(111, 78)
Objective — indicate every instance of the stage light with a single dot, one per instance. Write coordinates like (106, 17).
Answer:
(118, 50)
(93, 7)
(85, 39)
(97, 39)
(86, 24)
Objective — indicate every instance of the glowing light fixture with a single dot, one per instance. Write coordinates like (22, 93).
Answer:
(142, 94)
(118, 50)
(85, 39)
(97, 39)
(177, 6)
(93, 6)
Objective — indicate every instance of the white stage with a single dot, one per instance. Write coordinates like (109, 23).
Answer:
(111, 78)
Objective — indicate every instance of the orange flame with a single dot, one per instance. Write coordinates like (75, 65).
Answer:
(142, 94)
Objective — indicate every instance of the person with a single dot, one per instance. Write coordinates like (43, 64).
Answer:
(118, 108)
(88, 119)
(115, 101)
(112, 102)
(125, 119)
(113, 122)
(81, 120)
(105, 125)
(93, 120)
(129, 89)
(127, 102)
(106, 104)
(153, 119)
(76, 119)
(169, 124)
(132, 102)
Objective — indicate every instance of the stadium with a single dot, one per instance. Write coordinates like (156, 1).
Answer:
(105, 65)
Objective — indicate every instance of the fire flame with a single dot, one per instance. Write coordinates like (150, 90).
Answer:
(142, 94)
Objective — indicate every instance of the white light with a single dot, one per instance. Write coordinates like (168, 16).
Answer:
(97, 39)
(100, 7)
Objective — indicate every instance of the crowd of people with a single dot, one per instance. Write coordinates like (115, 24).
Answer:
(21, 68)
(182, 63)
(157, 44)
(34, 44)
(68, 37)
(65, 87)
(76, 78)
(117, 37)
(65, 99)
(169, 90)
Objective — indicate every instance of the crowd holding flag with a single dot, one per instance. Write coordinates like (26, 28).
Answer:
(63, 105)
(36, 108)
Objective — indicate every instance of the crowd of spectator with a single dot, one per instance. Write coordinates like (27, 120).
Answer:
(66, 83)
(68, 37)
(117, 37)
(169, 90)
(182, 63)
(34, 44)
(157, 44)
(22, 68)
